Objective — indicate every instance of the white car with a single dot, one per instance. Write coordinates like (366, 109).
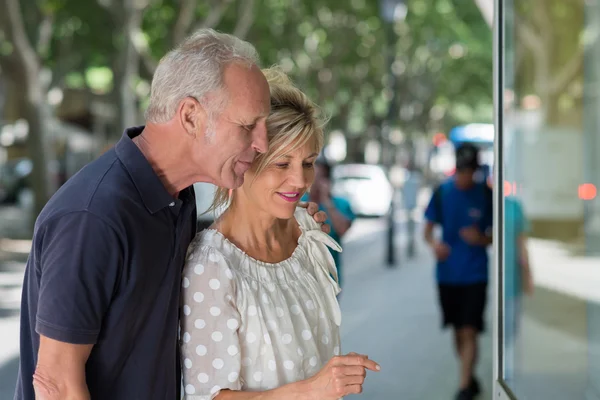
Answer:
(366, 187)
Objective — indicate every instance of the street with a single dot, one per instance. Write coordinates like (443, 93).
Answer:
(388, 313)
(391, 314)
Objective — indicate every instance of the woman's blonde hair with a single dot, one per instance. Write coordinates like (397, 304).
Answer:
(293, 122)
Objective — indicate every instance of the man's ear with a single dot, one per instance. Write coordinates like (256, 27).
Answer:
(192, 116)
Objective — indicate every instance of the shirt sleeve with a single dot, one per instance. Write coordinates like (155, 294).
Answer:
(80, 262)
(521, 220)
(346, 209)
(210, 343)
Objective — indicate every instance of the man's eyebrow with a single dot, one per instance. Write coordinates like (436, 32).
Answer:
(253, 121)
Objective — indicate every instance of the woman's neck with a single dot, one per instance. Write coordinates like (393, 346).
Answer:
(259, 234)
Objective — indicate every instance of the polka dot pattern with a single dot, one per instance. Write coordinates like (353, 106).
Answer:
(288, 364)
(199, 323)
(249, 326)
(201, 350)
(233, 324)
(198, 297)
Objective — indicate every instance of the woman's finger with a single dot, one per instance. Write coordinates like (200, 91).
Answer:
(361, 361)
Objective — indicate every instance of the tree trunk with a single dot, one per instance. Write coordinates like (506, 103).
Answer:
(23, 66)
(127, 69)
(40, 150)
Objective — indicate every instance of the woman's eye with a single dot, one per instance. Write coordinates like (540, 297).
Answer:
(309, 165)
(282, 165)
(249, 128)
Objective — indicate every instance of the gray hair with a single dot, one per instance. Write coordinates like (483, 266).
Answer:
(195, 69)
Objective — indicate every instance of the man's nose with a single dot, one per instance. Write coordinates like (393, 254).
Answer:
(260, 142)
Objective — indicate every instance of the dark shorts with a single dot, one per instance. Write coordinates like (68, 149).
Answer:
(463, 305)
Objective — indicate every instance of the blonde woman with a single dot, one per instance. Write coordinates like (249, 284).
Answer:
(261, 318)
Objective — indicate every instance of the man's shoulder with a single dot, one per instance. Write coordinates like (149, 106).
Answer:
(444, 186)
(99, 188)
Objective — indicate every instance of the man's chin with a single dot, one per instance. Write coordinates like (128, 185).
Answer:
(237, 181)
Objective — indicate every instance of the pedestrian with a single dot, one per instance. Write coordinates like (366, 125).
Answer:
(518, 279)
(102, 284)
(338, 208)
(410, 193)
(462, 207)
(260, 307)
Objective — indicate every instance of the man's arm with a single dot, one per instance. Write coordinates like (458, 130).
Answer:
(60, 370)
(80, 264)
(428, 233)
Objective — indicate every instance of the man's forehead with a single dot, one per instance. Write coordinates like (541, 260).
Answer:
(249, 92)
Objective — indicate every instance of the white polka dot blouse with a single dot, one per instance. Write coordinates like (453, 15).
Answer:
(251, 325)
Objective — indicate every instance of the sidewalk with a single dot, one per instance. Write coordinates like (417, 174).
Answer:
(392, 315)
(13, 222)
(14, 249)
(12, 266)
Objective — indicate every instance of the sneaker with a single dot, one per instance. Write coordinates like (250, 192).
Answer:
(474, 387)
(464, 394)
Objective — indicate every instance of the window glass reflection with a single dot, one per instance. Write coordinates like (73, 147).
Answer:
(551, 225)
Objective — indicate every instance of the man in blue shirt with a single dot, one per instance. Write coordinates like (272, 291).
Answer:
(462, 208)
(99, 313)
(338, 209)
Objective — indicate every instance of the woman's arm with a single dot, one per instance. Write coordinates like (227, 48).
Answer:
(341, 376)
(292, 391)
(210, 343)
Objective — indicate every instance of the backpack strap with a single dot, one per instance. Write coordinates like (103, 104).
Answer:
(439, 207)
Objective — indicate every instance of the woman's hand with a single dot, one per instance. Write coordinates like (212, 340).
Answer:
(341, 376)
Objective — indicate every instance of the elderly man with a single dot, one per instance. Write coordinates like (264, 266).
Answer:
(101, 293)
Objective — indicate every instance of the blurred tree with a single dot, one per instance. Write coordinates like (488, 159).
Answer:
(549, 60)
(333, 49)
(20, 61)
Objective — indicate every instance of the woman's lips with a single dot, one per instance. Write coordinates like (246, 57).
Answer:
(290, 197)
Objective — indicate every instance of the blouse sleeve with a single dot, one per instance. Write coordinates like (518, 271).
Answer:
(210, 345)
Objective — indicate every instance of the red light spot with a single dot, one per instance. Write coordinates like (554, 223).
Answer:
(438, 139)
(508, 189)
(587, 191)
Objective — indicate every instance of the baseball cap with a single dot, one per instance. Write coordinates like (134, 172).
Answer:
(467, 157)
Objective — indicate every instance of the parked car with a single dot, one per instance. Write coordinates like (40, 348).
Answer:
(366, 187)
(14, 179)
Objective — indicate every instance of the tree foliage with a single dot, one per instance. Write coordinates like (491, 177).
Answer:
(335, 51)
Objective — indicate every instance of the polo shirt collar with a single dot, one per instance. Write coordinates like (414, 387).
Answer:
(153, 193)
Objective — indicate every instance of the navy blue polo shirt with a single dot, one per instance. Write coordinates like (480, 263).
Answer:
(105, 269)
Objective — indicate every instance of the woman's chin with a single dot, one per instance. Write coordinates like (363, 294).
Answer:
(283, 211)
